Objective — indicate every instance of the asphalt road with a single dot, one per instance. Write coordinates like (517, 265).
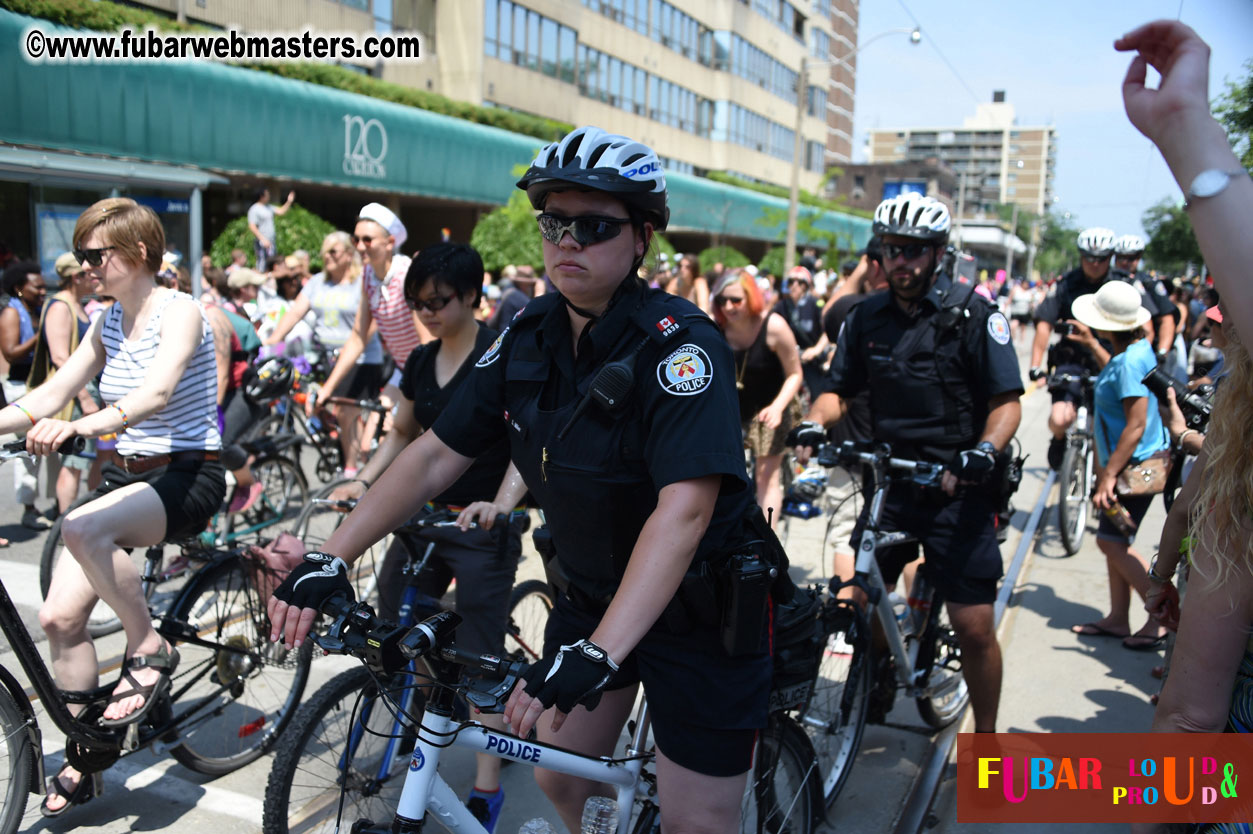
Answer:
(1054, 682)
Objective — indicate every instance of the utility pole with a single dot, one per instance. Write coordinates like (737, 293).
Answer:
(1009, 244)
(961, 206)
(802, 87)
(1035, 230)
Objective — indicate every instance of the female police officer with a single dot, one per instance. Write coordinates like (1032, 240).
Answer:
(641, 478)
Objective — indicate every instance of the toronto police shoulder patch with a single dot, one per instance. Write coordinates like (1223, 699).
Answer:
(685, 372)
(998, 328)
(492, 353)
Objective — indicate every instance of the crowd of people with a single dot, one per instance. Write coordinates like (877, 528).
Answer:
(647, 493)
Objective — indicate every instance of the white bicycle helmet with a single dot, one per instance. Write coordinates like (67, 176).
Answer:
(1096, 241)
(912, 215)
(601, 161)
(1129, 245)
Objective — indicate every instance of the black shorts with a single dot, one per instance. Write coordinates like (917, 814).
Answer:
(1070, 392)
(191, 492)
(484, 581)
(706, 706)
(1137, 506)
(958, 538)
(363, 382)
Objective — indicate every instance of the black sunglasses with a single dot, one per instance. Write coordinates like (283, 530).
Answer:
(586, 228)
(95, 257)
(366, 239)
(1095, 259)
(720, 300)
(434, 304)
(909, 251)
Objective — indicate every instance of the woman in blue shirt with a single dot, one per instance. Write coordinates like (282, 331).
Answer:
(1128, 430)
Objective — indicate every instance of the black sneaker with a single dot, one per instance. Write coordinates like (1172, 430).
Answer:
(1057, 450)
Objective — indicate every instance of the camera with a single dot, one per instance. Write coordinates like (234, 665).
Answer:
(1195, 405)
(1064, 328)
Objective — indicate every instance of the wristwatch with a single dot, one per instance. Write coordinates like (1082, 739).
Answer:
(1209, 183)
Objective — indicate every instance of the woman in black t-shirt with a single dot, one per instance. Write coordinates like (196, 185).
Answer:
(443, 284)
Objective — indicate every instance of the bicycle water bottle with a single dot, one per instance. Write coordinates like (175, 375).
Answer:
(600, 816)
(539, 825)
(919, 603)
(901, 609)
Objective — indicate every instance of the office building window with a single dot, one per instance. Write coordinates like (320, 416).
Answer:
(757, 66)
(782, 14)
(520, 36)
(815, 157)
(823, 8)
(817, 102)
(820, 44)
(752, 130)
(630, 13)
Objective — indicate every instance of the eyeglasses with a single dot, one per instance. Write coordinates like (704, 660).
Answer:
(366, 239)
(586, 229)
(1095, 259)
(338, 252)
(95, 257)
(909, 251)
(434, 304)
(723, 300)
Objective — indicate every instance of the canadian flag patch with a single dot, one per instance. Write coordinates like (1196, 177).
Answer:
(667, 325)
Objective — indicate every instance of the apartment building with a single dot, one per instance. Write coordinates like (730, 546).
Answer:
(712, 85)
(996, 159)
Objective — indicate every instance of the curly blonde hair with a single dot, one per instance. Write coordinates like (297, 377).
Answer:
(1223, 510)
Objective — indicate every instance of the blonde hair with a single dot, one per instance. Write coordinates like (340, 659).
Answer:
(125, 224)
(1222, 510)
(345, 240)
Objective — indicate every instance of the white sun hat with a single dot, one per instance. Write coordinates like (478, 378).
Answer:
(1114, 307)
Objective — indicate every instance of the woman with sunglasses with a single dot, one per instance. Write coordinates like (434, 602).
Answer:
(378, 236)
(767, 375)
(153, 350)
(618, 403)
(333, 295)
(444, 285)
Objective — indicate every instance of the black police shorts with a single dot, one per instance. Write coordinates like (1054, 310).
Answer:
(706, 707)
(1071, 392)
(958, 538)
(1137, 506)
(190, 491)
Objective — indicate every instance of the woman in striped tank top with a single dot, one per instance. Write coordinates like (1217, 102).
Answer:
(378, 235)
(154, 352)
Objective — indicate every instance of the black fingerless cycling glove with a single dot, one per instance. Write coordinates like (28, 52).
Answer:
(976, 465)
(806, 433)
(575, 675)
(314, 581)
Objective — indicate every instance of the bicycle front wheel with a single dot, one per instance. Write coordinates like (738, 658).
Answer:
(1072, 508)
(835, 716)
(939, 657)
(337, 752)
(315, 525)
(234, 695)
(783, 795)
(529, 607)
(17, 763)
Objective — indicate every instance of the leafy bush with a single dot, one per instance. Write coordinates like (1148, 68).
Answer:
(508, 235)
(725, 255)
(772, 261)
(299, 228)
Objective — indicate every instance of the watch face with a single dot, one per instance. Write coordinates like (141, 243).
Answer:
(1208, 183)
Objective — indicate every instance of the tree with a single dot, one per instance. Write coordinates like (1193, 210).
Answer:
(508, 235)
(1234, 110)
(725, 255)
(1056, 250)
(1172, 245)
(772, 262)
(299, 228)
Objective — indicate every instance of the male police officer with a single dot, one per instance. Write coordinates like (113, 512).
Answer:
(1155, 295)
(1069, 356)
(944, 387)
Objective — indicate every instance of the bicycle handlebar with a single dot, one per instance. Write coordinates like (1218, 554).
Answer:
(18, 447)
(365, 405)
(879, 456)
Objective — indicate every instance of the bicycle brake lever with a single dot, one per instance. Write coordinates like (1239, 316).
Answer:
(488, 696)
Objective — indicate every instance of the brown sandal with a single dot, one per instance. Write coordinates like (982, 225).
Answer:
(166, 661)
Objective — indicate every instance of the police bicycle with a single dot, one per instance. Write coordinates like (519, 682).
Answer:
(854, 686)
(1075, 475)
(348, 768)
(230, 698)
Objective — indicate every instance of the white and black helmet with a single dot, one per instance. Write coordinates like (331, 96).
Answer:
(1129, 245)
(912, 215)
(1097, 241)
(600, 161)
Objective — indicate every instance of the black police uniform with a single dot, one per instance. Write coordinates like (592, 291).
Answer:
(930, 377)
(1070, 357)
(597, 472)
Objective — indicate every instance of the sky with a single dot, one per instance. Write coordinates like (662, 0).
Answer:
(1056, 62)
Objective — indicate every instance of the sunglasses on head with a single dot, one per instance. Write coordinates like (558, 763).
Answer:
(95, 257)
(586, 228)
(434, 304)
(909, 251)
(722, 300)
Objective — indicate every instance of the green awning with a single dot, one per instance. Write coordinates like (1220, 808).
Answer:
(239, 121)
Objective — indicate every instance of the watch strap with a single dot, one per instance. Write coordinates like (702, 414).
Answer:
(1205, 184)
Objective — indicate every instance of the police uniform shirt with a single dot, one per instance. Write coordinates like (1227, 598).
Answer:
(599, 482)
(915, 394)
(418, 383)
(1156, 298)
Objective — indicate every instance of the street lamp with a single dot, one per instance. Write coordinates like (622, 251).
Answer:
(802, 87)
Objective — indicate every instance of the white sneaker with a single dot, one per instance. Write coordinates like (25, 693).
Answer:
(837, 645)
